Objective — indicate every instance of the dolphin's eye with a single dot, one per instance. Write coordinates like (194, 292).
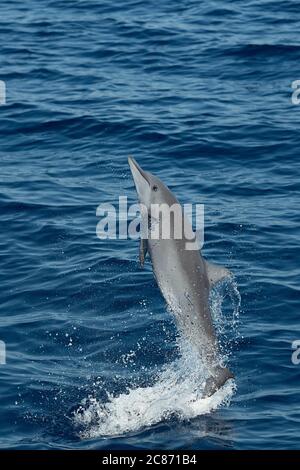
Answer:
(155, 188)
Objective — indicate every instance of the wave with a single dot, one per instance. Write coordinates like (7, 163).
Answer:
(264, 49)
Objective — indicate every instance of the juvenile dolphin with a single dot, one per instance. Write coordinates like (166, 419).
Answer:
(183, 276)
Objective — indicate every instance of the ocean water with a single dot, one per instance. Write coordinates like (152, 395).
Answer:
(200, 93)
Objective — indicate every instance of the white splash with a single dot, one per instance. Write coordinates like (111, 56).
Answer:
(176, 392)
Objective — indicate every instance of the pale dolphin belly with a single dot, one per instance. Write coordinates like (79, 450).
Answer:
(182, 279)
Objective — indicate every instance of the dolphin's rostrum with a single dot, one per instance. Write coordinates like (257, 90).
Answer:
(183, 276)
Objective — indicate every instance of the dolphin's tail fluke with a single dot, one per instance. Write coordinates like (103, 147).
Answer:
(217, 380)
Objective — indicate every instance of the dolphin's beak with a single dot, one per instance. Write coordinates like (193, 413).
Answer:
(138, 174)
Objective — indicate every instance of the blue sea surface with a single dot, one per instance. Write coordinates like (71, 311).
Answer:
(200, 93)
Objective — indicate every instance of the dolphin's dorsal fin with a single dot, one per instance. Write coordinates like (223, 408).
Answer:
(143, 251)
(216, 273)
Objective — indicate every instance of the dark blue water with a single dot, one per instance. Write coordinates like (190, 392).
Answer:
(200, 94)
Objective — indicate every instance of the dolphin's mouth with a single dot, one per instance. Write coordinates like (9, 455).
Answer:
(135, 167)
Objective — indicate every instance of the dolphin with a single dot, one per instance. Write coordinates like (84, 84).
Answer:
(183, 276)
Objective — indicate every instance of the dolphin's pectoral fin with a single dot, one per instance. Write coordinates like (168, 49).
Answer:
(216, 273)
(143, 251)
